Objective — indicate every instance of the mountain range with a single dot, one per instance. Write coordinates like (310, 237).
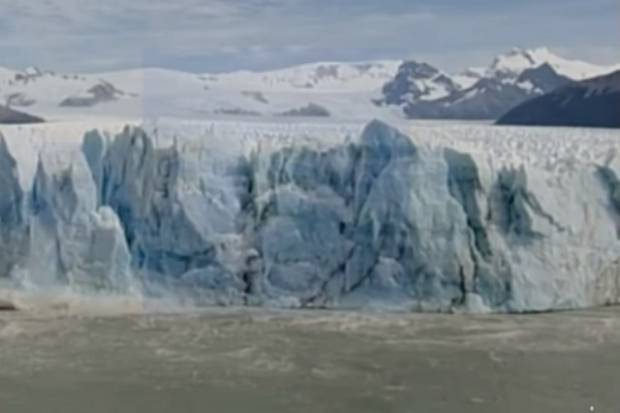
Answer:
(510, 80)
(358, 90)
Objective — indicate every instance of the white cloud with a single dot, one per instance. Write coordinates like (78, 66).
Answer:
(102, 34)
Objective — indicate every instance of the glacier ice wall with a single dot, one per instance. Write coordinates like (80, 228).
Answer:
(375, 220)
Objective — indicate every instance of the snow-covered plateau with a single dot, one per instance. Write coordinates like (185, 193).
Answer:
(422, 217)
(385, 89)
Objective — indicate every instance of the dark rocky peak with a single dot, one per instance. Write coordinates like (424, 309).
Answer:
(417, 70)
(544, 78)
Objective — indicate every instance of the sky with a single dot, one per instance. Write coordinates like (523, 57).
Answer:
(225, 35)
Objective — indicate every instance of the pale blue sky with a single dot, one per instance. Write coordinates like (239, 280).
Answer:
(222, 35)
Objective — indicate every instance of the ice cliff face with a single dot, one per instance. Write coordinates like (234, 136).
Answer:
(373, 220)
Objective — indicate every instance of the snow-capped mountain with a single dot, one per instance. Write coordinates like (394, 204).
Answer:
(37, 88)
(511, 79)
(314, 77)
(417, 81)
(356, 91)
(340, 89)
(517, 60)
(469, 76)
(489, 97)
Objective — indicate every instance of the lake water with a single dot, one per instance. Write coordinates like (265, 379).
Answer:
(258, 361)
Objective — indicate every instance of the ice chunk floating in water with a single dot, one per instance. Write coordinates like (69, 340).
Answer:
(271, 216)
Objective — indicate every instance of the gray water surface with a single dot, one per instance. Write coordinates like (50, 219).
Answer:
(249, 361)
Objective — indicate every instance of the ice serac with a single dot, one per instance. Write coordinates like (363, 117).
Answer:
(179, 212)
(12, 219)
(54, 235)
(375, 220)
(73, 241)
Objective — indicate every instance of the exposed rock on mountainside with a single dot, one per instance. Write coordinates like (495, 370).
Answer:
(590, 103)
(509, 81)
(417, 81)
(310, 110)
(18, 99)
(11, 116)
(347, 90)
(101, 92)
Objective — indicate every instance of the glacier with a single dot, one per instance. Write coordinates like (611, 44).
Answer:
(440, 218)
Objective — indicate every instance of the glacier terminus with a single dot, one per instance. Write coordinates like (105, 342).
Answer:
(314, 215)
